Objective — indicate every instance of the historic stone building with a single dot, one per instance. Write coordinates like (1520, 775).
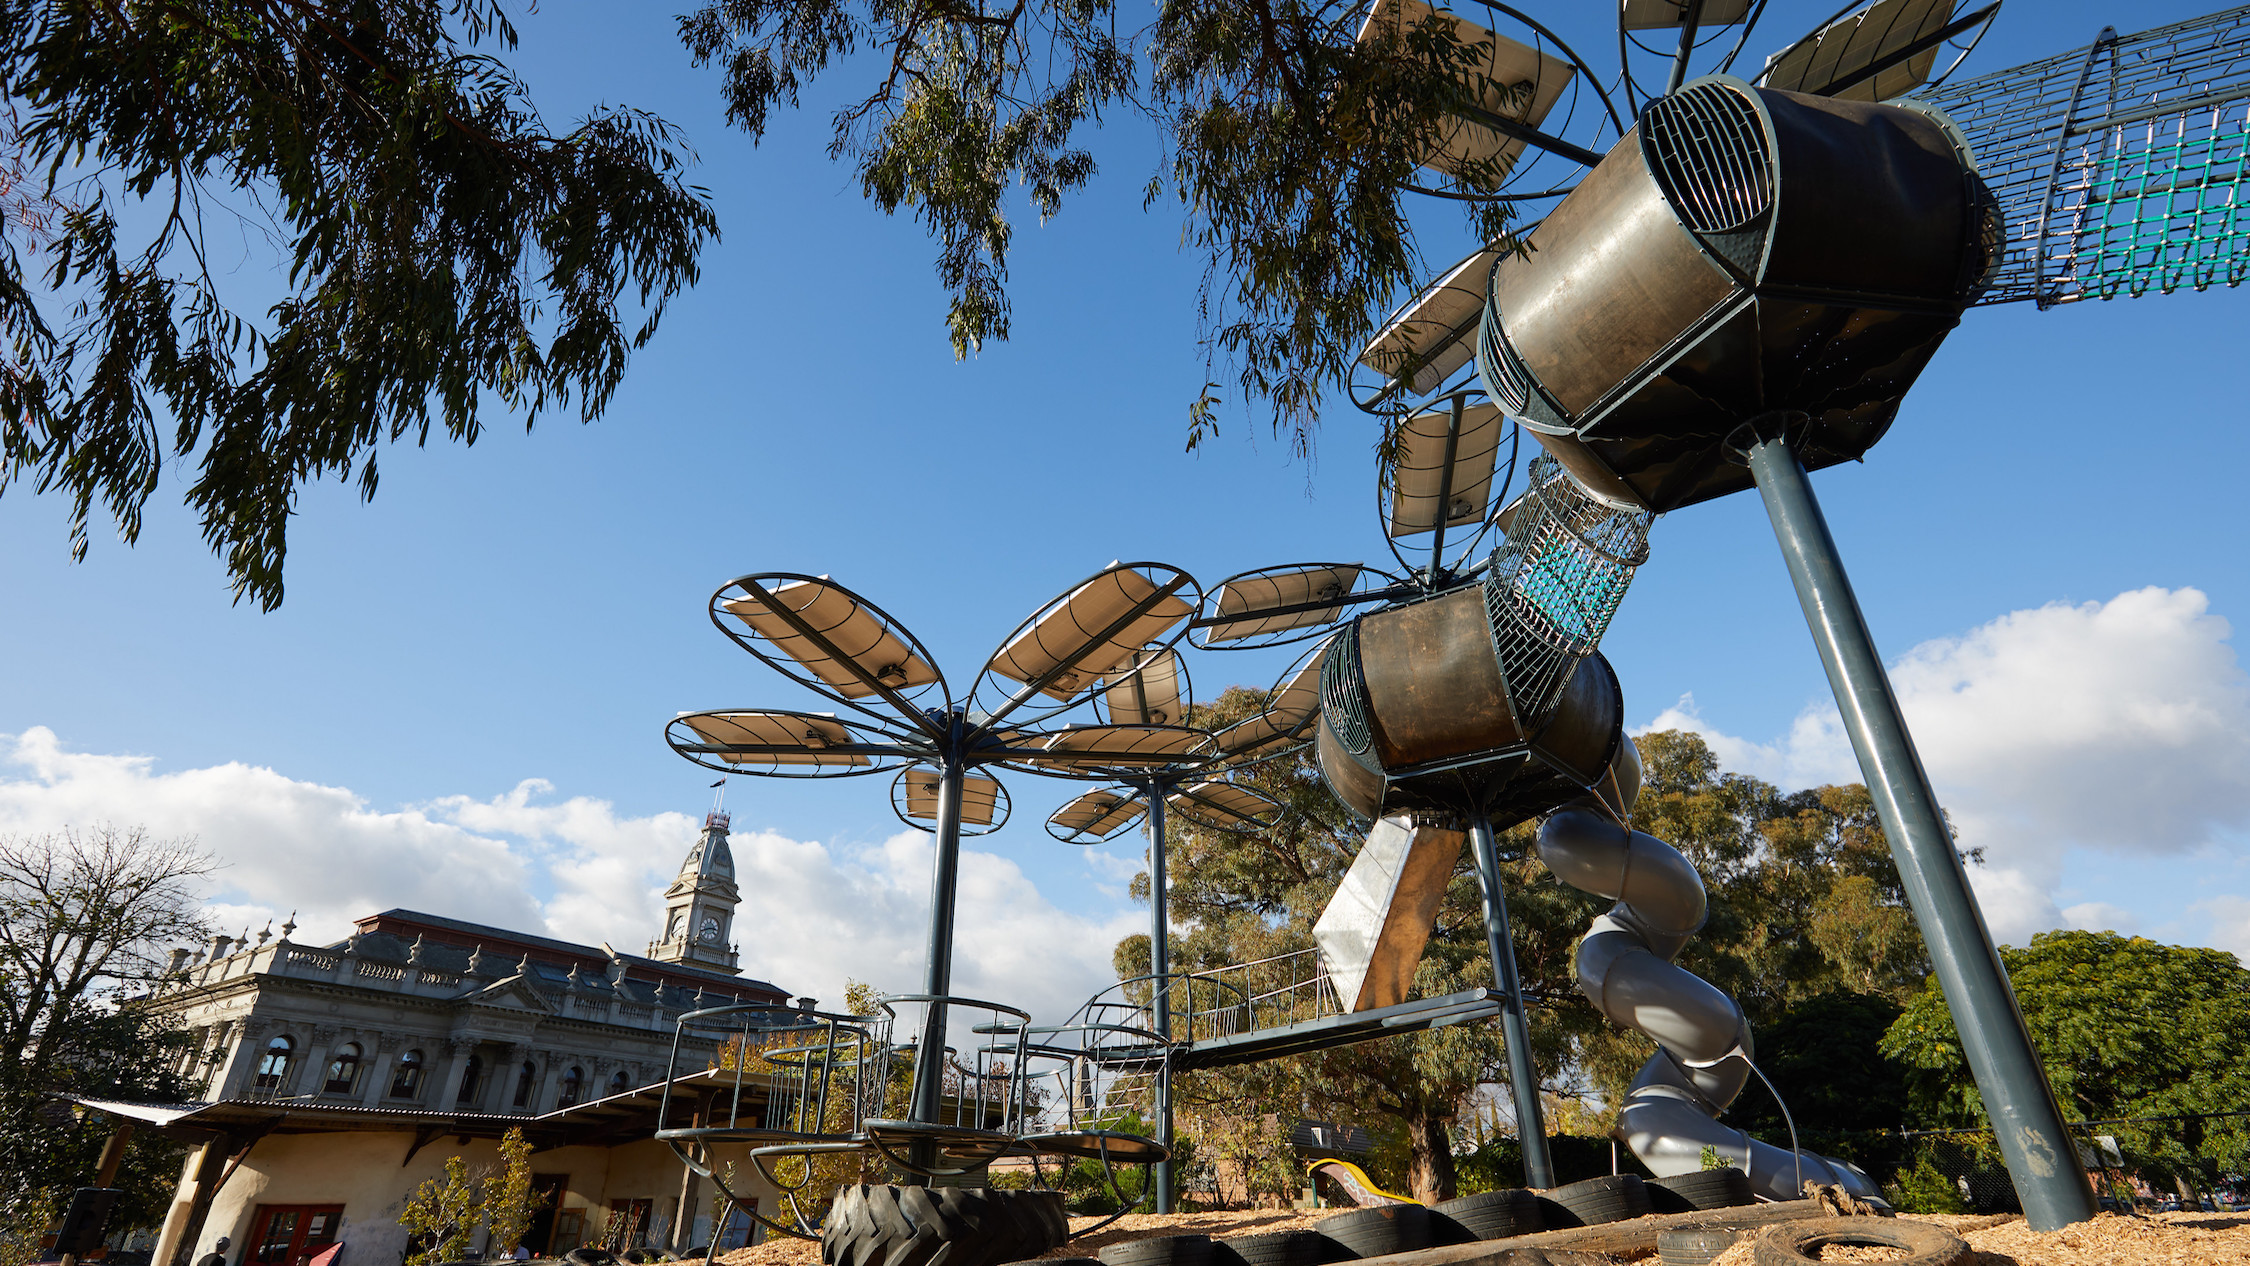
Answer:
(421, 1010)
(325, 1065)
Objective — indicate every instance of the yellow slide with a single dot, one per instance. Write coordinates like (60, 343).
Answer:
(1356, 1184)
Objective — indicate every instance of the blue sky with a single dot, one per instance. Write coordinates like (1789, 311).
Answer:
(533, 608)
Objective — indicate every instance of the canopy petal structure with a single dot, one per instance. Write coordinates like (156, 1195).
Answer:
(1106, 644)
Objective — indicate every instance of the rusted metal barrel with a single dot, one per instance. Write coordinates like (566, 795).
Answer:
(1741, 251)
(1416, 714)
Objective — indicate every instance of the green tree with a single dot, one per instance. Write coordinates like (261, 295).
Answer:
(442, 1215)
(2125, 1026)
(1291, 147)
(1805, 912)
(441, 252)
(85, 919)
(509, 1200)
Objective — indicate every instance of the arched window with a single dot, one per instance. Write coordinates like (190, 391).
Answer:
(470, 1076)
(343, 1071)
(406, 1083)
(573, 1085)
(525, 1081)
(620, 1083)
(273, 1070)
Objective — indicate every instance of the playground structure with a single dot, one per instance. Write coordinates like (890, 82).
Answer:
(1769, 261)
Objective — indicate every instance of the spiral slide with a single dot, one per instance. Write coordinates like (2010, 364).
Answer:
(1625, 969)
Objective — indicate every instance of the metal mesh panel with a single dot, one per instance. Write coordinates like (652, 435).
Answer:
(1706, 147)
(1343, 697)
(2119, 166)
(1555, 583)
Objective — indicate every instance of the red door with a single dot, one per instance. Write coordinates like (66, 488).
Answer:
(288, 1234)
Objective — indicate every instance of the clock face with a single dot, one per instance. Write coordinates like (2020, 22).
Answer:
(710, 930)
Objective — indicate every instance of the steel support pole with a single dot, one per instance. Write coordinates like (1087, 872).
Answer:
(1515, 1028)
(1160, 967)
(2020, 1103)
(929, 1056)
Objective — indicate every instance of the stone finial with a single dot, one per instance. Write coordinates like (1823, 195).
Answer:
(414, 951)
(573, 980)
(476, 961)
(289, 926)
(351, 945)
(523, 968)
(265, 933)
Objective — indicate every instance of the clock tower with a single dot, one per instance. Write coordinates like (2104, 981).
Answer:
(699, 906)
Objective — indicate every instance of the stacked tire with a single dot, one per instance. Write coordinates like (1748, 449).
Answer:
(1487, 1215)
(1724, 1188)
(1379, 1231)
(1162, 1250)
(1611, 1198)
(1278, 1248)
(872, 1225)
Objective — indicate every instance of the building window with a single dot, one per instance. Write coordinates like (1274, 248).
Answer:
(525, 1080)
(273, 1070)
(343, 1071)
(291, 1235)
(469, 1077)
(620, 1083)
(406, 1083)
(574, 1085)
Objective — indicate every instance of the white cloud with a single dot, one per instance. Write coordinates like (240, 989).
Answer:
(812, 914)
(2119, 728)
(2230, 923)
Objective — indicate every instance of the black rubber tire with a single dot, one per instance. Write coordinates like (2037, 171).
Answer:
(1723, 1188)
(1923, 1244)
(1610, 1198)
(588, 1255)
(1162, 1250)
(1694, 1245)
(1059, 1261)
(1493, 1215)
(871, 1225)
(1379, 1231)
(1277, 1248)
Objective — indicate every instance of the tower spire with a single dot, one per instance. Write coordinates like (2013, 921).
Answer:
(699, 906)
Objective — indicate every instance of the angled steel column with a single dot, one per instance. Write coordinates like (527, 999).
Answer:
(1515, 1028)
(1160, 965)
(2020, 1103)
(929, 1056)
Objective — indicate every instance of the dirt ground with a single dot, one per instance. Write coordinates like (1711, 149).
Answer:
(2164, 1239)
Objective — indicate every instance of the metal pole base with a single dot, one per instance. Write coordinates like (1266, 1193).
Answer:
(2021, 1105)
(1515, 1028)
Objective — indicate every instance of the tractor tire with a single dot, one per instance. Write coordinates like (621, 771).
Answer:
(1709, 1189)
(1379, 1231)
(1493, 1215)
(1693, 1245)
(1800, 1243)
(1612, 1198)
(590, 1256)
(1162, 1250)
(871, 1225)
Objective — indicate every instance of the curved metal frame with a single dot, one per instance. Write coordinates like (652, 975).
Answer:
(1020, 699)
(901, 698)
(699, 749)
(1001, 808)
(1392, 586)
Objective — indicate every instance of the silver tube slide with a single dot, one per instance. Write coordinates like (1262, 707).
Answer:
(1625, 969)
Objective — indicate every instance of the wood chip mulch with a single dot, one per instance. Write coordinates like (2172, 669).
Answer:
(2161, 1239)
(2164, 1239)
